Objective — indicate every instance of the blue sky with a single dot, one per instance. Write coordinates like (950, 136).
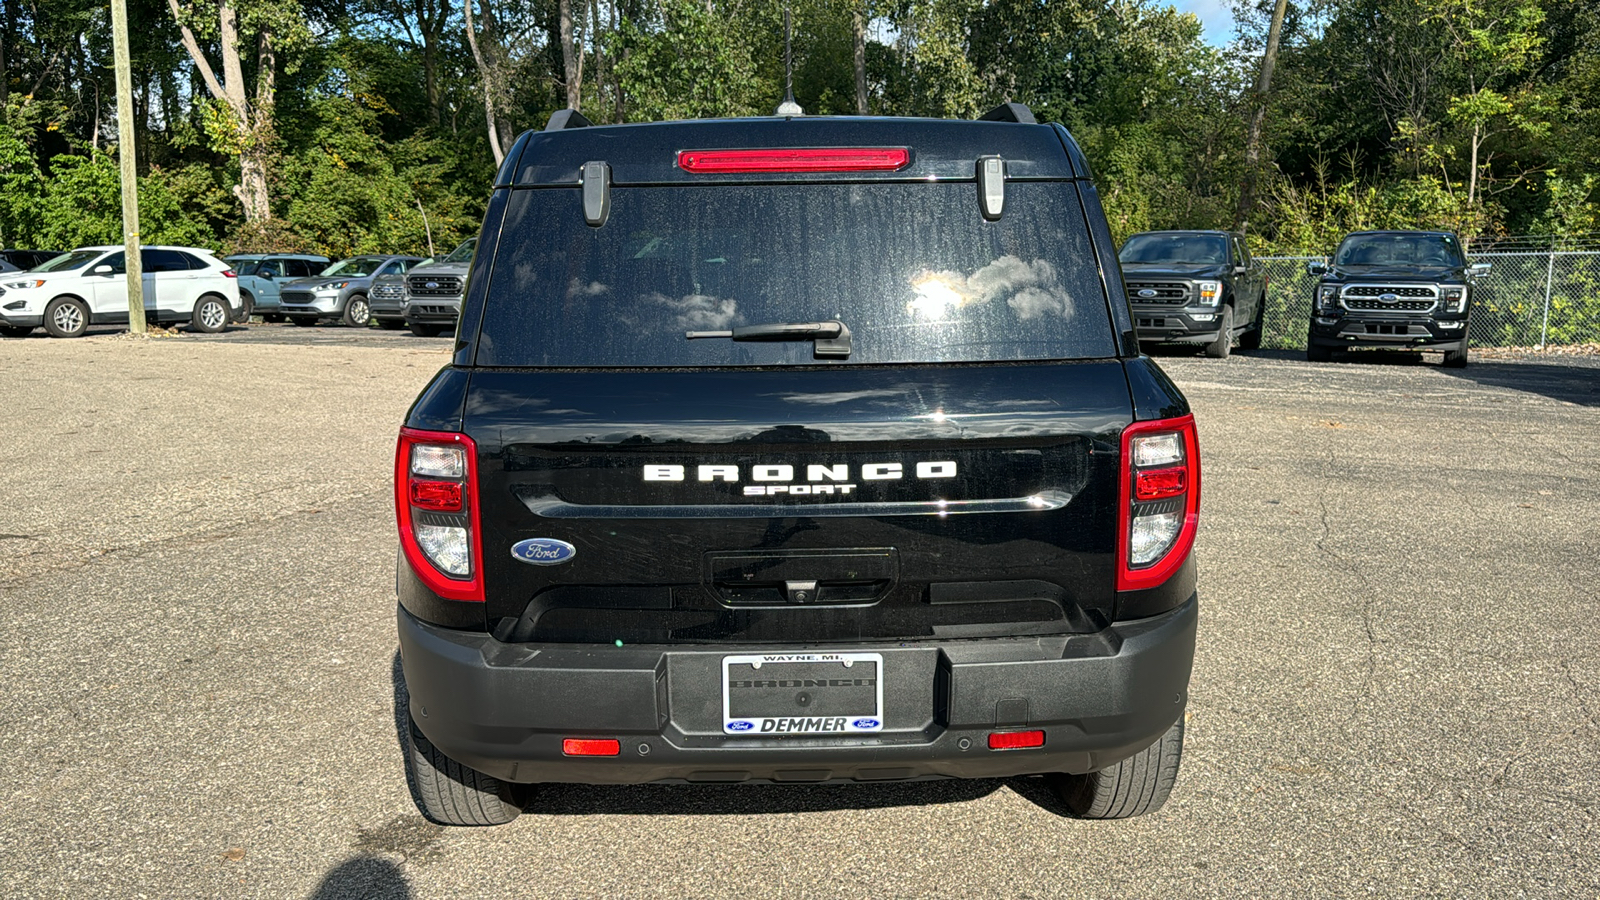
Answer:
(1215, 15)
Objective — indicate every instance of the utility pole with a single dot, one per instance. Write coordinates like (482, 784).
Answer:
(129, 159)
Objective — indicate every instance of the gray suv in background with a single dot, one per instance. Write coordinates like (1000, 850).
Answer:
(433, 291)
(340, 292)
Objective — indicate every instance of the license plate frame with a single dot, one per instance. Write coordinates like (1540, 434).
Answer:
(753, 716)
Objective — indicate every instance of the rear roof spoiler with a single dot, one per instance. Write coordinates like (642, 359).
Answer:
(1010, 112)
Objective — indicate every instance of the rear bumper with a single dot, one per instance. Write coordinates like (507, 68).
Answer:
(504, 708)
(1388, 331)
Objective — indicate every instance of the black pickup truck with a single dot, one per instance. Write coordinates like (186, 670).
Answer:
(1398, 289)
(1195, 287)
(796, 450)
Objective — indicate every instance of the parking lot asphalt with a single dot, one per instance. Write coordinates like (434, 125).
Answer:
(1396, 691)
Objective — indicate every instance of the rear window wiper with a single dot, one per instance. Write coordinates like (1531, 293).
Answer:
(831, 338)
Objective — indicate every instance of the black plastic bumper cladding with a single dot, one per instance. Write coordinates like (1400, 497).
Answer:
(504, 708)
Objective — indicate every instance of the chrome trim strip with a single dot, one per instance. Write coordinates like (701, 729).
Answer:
(555, 508)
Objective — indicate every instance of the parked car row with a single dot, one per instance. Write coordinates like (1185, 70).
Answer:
(65, 293)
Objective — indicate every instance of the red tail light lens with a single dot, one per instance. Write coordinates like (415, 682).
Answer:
(580, 747)
(229, 273)
(1160, 501)
(439, 496)
(802, 159)
(436, 508)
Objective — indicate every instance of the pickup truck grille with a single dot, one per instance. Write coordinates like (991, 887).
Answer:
(434, 285)
(387, 291)
(296, 297)
(1359, 303)
(1164, 291)
(1407, 298)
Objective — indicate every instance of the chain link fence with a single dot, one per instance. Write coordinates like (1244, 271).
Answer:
(1528, 299)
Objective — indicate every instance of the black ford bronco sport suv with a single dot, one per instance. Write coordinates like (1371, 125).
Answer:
(1393, 289)
(1195, 287)
(796, 450)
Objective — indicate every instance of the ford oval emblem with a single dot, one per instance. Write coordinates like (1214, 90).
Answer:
(741, 726)
(1147, 293)
(543, 551)
(1389, 298)
(432, 284)
(865, 723)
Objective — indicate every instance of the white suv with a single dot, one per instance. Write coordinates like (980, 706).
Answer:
(89, 286)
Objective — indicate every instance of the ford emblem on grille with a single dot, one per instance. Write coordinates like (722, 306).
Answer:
(431, 284)
(1389, 298)
(1147, 293)
(543, 551)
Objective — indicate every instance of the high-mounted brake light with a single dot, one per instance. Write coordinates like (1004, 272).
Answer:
(795, 159)
(1159, 504)
(436, 508)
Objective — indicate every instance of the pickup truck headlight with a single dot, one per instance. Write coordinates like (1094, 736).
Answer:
(1327, 295)
(1455, 299)
(1210, 293)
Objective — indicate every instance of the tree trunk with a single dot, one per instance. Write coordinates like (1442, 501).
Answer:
(859, 33)
(485, 74)
(1472, 176)
(599, 55)
(1258, 120)
(254, 127)
(571, 65)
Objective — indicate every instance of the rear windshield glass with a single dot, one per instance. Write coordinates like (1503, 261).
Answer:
(913, 270)
(1175, 248)
(1399, 249)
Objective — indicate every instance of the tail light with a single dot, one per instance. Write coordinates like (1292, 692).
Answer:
(436, 506)
(1160, 501)
(229, 273)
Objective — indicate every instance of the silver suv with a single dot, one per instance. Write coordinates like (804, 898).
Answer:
(433, 292)
(340, 292)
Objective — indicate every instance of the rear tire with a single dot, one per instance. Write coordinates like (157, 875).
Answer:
(211, 315)
(421, 329)
(272, 318)
(303, 321)
(1139, 784)
(66, 317)
(247, 307)
(449, 793)
(16, 330)
(357, 312)
(1223, 345)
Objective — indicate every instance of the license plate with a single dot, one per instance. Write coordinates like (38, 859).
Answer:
(802, 693)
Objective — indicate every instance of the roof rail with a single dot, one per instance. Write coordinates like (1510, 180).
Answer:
(1010, 112)
(566, 118)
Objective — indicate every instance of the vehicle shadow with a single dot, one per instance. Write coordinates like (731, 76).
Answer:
(1579, 384)
(363, 877)
(737, 799)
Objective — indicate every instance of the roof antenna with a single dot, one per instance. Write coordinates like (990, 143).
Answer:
(788, 107)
